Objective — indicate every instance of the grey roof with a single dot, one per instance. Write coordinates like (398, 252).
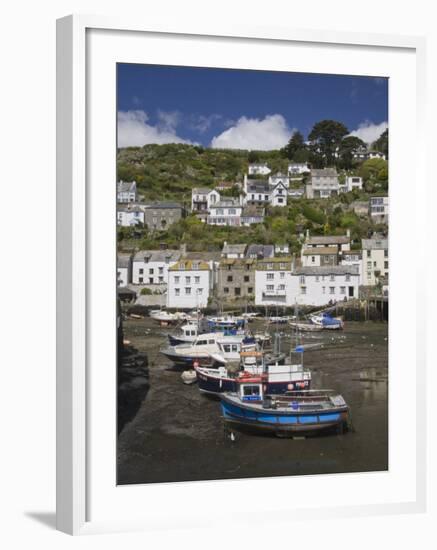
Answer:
(324, 173)
(126, 186)
(162, 205)
(280, 175)
(260, 250)
(214, 255)
(201, 190)
(374, 244)
(329, 239)
(124, 260)
(234, 248)
(258, 187)
(328, 270)
(157, 255)
(130, 208)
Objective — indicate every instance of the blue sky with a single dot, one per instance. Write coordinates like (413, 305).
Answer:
(241, 108)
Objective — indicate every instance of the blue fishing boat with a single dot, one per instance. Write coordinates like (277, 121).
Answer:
(326, 321)
(305, 411)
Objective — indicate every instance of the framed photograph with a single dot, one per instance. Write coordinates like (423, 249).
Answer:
(232, 308)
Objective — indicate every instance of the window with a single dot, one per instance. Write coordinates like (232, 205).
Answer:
(369, 253)
(187, 280)
(342, 290)
(269, 266)
(177, 291)
(161, 270)
(151, 271)
(195, 265)
(226, 290)
(281, 287)
(348, 277)
(302, 279)
(270, 288)
(303, 290)
(140, 279)
(332, 278)
(232, 211)
(250, 290)
(313, 259)
(188, 290)
(386, 253)
(323, 290)
(177, 279)
(246, 278)
(141, 271)
(199, 291)
(237, 291)
(266, 197)
(161, 279)
(247, 267)
(385, 265)
(332, 290)
(234, 347)
(281, 201)
(317, 278)
(230, 278)
(270, 276)
(282, 266)
(197, 279)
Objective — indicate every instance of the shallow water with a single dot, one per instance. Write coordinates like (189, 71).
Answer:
(177, 433)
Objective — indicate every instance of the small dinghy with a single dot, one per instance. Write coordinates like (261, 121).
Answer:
(189, 377)
(327, 322)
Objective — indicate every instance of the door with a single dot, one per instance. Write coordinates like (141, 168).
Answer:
(351, 292)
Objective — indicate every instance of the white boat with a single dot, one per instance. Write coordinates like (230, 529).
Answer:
(208, 349)
(305, 327)
(164, 317)
(189, 377)
(326, 322)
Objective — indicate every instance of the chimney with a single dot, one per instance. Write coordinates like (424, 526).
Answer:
(348, 233)
(308, 234)
(293, 263)
(183, 249)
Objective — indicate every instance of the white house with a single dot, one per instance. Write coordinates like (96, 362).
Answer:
(150, 267)
(126, 191)
(319, 256)
(259, 169)
(375, 262)
(298, 168)
(129, 216)
(272, 281)
(279, 178)
(362, 153)
(378, 209)
(353, 182)
(324, 184)
(282, 248)
(124, 269)
(353, 257)
(202, 198)
(225, 212)
(190, 283)
(233, 251)
(375, 155)
(340, 242)
(257, 193)
(318, 286)
(279, 195)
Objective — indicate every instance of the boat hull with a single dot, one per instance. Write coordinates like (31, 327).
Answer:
(216, 385)
(281, 423)
(189, 360)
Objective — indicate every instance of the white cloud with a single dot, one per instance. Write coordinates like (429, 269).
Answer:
(272, 132)
(369, 132)
(134, 130)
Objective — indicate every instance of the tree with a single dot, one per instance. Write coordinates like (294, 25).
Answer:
(294, 145)
(381, 144)
(371, 168)
(325, 138)
(348, 146)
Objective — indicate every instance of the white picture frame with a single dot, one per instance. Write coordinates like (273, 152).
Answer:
(76, 280)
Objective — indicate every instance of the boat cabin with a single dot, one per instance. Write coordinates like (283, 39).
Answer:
(251, 389)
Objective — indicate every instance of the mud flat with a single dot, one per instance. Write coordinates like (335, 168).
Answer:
(176, 434)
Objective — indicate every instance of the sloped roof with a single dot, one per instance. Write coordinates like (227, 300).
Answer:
(234, 248)
(185, 264)
(328, 270)
(328, 239)
(324, 173)
(157, 255)
(126, 186)
(320, 250)
(374, 244)
(163, 205)
(263, 250)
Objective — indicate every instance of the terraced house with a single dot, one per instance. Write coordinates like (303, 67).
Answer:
(272, 282)
(190, 284)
